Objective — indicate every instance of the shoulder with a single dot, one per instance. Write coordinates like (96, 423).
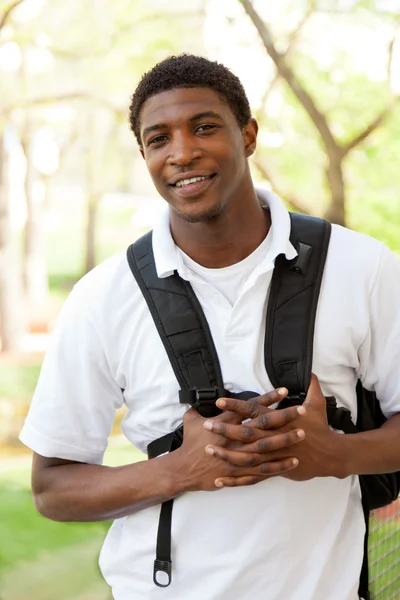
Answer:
(346, 243)
(355, 256)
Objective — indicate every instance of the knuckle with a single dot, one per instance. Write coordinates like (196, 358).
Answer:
(247, 433)
(264, 421)
(289, 439)
(249, 460)
(266, 468)
(263, 445)
(219, 428)
(253, 408)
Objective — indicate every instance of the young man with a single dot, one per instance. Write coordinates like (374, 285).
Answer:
(298, 533)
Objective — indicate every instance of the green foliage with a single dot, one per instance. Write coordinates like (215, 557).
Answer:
(351, 89)
(17, 382)
(29, 535)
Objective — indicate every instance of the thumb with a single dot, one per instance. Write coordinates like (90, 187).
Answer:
(191, 415)
(315, 398)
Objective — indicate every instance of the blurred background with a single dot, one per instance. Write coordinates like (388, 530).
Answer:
(323, 79)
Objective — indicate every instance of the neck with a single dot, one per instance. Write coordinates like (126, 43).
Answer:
(226, 239)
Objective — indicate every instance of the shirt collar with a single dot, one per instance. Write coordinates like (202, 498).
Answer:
(168, 259)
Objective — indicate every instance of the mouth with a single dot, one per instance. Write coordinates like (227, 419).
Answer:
(192, 186)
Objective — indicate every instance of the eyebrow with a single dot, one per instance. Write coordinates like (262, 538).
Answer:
(196, 117)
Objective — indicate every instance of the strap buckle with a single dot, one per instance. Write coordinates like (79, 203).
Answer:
(205, 396)
(292, 400)
(162, 572)
(199, 396)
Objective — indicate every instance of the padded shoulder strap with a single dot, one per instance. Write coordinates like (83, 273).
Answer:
(293, 304)
(179, 319)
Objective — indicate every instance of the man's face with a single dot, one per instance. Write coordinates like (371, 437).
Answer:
(195, 151)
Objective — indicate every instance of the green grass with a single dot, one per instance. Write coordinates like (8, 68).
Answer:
(17, 382)
(385, 552)
(44, 560)
(29, 536)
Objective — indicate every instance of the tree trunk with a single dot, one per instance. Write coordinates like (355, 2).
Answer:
(35, 268)
(93, 184)
(336, 209)
(91, 233)
(11, 302)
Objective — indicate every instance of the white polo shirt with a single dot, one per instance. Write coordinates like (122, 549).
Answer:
(277, 540)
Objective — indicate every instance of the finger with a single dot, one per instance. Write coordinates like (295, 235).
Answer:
(274, 419)
(246, 409)
(243, 406)
(239, 481)
(264, 471)
(239, 433)
(315, 398)
(271, 398)
(256, 453)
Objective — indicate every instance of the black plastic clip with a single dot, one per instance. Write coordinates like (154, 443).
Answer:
(292, 400)
(162, 566)
(199, 397)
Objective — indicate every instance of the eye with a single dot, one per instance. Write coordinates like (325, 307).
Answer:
(159, 139)
(204, 128)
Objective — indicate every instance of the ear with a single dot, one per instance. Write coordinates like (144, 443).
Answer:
(250, 136)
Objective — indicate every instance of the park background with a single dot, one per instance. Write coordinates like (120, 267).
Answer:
(323, 79)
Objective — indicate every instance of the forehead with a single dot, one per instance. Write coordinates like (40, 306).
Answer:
(182, 103)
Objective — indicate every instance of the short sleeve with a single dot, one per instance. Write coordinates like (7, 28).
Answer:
(380, 350)
(74, 404)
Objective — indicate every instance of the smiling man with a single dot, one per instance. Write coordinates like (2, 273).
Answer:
(285, 521)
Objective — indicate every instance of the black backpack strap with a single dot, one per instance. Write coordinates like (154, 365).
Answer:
(183, 329)
(292, 307)
(187, 339)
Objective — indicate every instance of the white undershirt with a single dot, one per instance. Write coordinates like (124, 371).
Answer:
(229, 281)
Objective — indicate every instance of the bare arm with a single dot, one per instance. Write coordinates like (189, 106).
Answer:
(376, 451)
(70, 491)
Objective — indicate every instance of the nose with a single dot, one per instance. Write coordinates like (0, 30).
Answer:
(184, 149)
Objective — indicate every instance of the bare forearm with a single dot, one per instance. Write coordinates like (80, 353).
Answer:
(374, 452)
(82, 492)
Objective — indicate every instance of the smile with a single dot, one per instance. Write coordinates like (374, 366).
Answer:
(193, 186)
(184, 182)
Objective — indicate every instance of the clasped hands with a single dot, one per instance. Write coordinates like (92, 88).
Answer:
(296, 442)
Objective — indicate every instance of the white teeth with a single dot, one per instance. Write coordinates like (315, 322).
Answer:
(187, 181)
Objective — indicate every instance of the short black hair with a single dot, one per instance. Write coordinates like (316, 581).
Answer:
(187, 71)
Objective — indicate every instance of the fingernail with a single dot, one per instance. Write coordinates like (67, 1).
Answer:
(221, 403)
(218, 483)
(301, 410)
(282, 391)
(208, 425)
(301, 434)
(295, 462)
(210, 450)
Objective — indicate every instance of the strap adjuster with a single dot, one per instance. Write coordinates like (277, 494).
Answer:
(292, 400)
(162, 572)
(205, 396)
(200, 396)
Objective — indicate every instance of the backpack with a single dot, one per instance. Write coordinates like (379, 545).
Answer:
(291, 313)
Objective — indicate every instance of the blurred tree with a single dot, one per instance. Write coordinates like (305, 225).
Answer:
(11, 314)
(78, 63)
(336, 150)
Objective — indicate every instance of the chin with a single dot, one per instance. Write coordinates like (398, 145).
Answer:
(198, 216)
